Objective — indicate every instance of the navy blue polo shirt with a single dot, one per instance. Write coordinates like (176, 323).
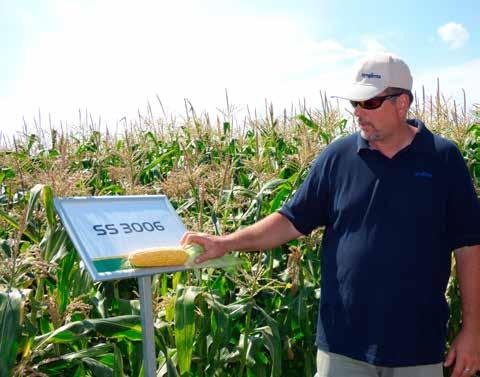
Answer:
(390, 228)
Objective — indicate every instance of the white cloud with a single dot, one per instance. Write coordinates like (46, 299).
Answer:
(453, 34)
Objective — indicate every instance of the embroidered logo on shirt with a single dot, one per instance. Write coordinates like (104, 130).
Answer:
(425, 174)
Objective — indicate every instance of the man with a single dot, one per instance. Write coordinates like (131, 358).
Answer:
(395, 201)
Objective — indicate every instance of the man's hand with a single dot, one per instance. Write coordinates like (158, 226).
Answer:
(213, 246)
(465, 354)
(465, 350)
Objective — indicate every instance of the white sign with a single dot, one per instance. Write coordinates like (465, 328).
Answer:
(106, 229)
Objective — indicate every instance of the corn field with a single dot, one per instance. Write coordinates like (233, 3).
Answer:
(221, 175)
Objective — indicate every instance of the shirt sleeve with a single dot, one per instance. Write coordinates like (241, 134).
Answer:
(308, 208)
(463, 224)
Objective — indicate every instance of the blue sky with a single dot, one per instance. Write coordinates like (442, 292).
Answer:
(113, 57)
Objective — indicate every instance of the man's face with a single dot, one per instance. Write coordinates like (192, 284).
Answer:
(378, 124)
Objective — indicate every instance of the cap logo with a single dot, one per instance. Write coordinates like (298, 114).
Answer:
(371, 75)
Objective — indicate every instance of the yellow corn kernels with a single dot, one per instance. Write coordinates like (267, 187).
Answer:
(158, 257)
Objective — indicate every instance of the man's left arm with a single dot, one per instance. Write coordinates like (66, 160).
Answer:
(465, 349)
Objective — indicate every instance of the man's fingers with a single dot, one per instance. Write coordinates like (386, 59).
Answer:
(450, 357)
(191, 237)
(468, 371)
(211, 248)
(184, 237)
(459, 370)
(199, 239)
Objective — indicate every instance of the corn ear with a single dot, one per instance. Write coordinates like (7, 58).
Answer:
(178, 256)
(159, 257)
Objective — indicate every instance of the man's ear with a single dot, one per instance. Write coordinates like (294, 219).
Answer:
(403, 104)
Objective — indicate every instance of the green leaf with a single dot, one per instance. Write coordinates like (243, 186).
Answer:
(35, 193)
(10, 220)
(48, 204)
(97, 368)
(64, 280)
(258, 370)
(53, 243)
(134, 358)
(118, 362)
(279, 199)
(5, 249)
(120, 327)
(80, 372)
(64, 363)
(166, 363)
(95, 351)
(308, 122)
(272, 344)
(152, 137)
(226, 128)
(31, 140)
(10, 329)
(8, 173)
(185, 325)
(315, 127)
(158, 161)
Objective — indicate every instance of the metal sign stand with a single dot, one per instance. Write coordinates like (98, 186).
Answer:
(148, 339)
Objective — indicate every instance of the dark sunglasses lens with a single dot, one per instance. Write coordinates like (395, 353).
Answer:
(372, 103)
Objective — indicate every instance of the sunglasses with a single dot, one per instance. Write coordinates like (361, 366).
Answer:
(373, 103)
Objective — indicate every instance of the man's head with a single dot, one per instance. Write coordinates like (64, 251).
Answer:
(377, 73)
(381, 95)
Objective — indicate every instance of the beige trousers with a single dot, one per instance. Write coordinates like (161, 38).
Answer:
(334, 365)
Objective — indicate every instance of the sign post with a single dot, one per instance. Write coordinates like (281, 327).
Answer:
(106, 229)
(146, 311)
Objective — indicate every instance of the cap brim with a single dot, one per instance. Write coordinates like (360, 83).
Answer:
(360, 92)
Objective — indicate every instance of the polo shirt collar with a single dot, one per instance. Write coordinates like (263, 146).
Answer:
(422, 142)
(362, 143)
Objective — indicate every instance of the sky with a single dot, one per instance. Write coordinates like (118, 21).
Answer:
(114, 58)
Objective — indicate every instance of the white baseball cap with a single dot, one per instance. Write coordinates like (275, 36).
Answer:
(375, 73)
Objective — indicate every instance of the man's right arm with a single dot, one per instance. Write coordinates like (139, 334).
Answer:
(272, 231)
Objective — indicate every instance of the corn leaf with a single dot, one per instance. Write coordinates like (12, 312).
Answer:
(63, 363)
(272, 344)
(10, 220)
(80, 371)
(33, 200)
(120, 327)
(10, 329)
(48, 204)
(185, 325)
(53, 243)
(97, 368)
(118, 362)
(166, 362)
